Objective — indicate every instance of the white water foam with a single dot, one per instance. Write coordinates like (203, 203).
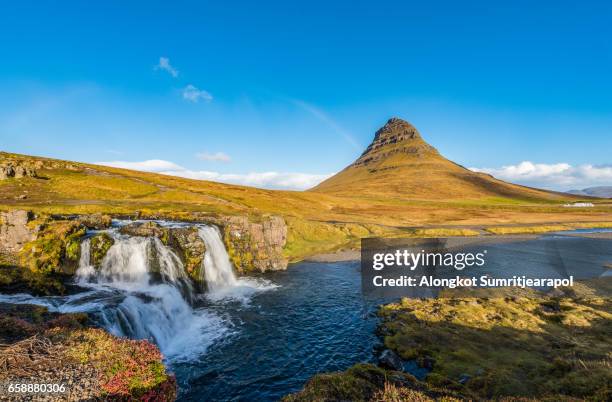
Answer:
(155, 294)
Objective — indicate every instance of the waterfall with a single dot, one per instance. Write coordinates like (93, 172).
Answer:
(86, 270)
(148, 296)
(141, 290)
(218, 272)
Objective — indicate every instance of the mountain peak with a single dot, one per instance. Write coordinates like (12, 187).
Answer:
(397, 129)
(396, 136)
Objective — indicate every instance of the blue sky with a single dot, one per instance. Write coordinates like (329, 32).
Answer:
(281, 94)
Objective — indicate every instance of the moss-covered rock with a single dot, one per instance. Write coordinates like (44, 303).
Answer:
(56, 249)
(95, 221)
(146, 229)
(99, 245)
(255, 246)
(127, 369)
(54, 253)
(190, 247)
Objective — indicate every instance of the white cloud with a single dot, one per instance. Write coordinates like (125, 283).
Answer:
(216, 157)
(271, 180)
(193, 94)
(558, 176)
(164, 65)
(152, 165)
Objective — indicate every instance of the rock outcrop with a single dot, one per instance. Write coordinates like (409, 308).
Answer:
(255, 246)
(99, 245)
(15, 231)
(11, 170)
(56, 249)
(191, 249)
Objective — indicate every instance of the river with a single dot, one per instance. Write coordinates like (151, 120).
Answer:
(255, 338)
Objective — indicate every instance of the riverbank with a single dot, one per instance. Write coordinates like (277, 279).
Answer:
(549, 347)
(73, 361)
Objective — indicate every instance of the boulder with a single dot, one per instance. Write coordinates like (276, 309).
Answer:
(390, 360)
(15, 231)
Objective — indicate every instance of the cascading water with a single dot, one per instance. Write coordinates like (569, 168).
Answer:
(141, 290)
(154, 292)
(219, 275)
(218, 272)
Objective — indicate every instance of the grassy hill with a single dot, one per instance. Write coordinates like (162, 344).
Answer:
(393, 188)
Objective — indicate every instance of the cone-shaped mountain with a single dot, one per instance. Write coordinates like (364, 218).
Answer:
(400, 164)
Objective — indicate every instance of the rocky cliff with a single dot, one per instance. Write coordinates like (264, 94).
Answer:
(255, 246)
(396, 136)
(15, 231)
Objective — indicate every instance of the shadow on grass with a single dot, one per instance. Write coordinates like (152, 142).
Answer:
(540, 347)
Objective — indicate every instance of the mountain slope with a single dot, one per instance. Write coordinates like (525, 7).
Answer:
(599, 192)
(400, 164)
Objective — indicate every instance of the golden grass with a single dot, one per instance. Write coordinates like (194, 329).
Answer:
(527, 229)
(318, 222)
(534, 346)
(503, 230)
(443, 232)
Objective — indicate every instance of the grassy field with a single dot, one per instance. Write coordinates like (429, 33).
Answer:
(317, 221)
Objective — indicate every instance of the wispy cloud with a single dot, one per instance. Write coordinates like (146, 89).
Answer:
(164, 65)
(151, 165)
(558, 176)
(214, 157)
(270, 180)
(193, 94)
(325, 118)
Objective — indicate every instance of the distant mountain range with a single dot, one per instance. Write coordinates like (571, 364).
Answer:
(600, 191)
(399, 163)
